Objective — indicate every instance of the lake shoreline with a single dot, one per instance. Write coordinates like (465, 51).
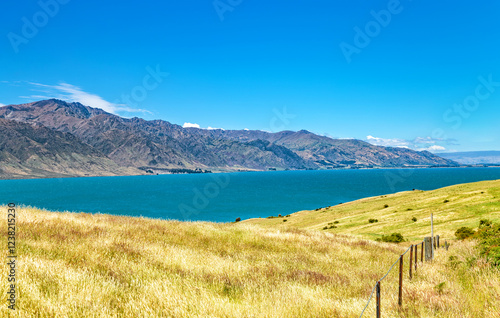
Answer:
(2, 178)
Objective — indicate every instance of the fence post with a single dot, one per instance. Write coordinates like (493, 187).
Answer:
(411, 260)
(437, 239)
(400, 298)
(378, 299)
(416, 257)
(428, 248)
(422, 253)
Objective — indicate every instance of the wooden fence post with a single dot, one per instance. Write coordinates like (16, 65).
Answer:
(416, 257)
(437, 239)
(378, 299)
(411, 260)
(428, 249)
(422, 253)
(400, 298)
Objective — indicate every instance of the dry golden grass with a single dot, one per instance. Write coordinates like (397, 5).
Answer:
(84, 265)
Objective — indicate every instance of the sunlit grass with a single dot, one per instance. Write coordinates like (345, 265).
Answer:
(453, 207)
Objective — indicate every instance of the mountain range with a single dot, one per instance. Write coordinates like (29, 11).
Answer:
(54, 138)
(473, 157)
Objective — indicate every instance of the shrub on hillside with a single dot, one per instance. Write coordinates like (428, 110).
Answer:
(488, 235)
(372, 221)
(329, 227)
(237, 220)
(464, 232)
(484, 223)
(414, 219)
(393, 238)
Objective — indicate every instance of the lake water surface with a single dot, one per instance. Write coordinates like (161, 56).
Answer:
(224, 197)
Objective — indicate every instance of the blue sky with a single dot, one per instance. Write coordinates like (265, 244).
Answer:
(418, 74)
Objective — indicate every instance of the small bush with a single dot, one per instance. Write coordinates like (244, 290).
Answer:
(485, 223)
(464, 232)
(329, 227)
(489, 241)
(386, 205)
(372, 221)
(414, 219)
(287, 216)
(237, 220)
(446, 201)
(409, 209)
(279, 215)
(336, 222)
(284, 220)
(393, 238)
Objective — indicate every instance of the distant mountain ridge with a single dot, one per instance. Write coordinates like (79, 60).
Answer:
(473, 157)
(131, 146)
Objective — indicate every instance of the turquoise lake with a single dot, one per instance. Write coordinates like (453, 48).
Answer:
(224, 197)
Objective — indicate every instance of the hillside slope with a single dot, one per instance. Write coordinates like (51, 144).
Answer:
(37, 151)
(453, 207)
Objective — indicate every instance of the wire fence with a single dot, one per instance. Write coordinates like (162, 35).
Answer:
(393, 285)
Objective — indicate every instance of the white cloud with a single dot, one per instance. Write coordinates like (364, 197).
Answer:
(189, 125)
(425, 140)
(212, 128)
(72, 93)
(436, 148)
(419, 143)
(388, 142)
(1, 105)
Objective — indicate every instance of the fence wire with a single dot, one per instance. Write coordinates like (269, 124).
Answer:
(390, 269)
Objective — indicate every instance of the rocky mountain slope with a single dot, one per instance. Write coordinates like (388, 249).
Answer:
(132, 144)
(36, 151)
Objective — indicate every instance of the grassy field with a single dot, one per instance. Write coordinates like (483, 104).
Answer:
(453, 207)
(85, 265)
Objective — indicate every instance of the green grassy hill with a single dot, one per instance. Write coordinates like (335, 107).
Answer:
(453, 207)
